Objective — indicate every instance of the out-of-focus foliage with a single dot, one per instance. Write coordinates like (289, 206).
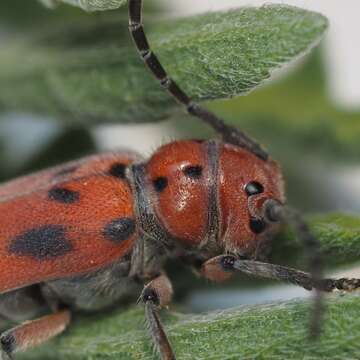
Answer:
(88, 5)
(338, 234)
(295, 113)
(18, 16)
(87, 73)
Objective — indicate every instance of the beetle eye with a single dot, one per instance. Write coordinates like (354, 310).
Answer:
(254, 188)
(257, 225)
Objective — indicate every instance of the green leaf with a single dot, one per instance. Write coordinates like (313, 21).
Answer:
(297, 114)
(19, 15)
(273, 331)
(218, 55)
(88, 5)
(339, 235)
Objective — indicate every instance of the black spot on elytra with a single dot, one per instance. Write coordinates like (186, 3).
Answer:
(42, 243)
(257, 225)
(64, 195)
(118, 170)
(160, 183)
(193, 172)
(119, 229)
(8, 343)
(254, 188)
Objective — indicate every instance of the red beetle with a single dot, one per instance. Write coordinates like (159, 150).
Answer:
(85, 234)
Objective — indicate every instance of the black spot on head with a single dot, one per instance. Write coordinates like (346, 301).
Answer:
(64, 195)
(120, 229)
(257, 225)
(193, 172)
(254, 188)
(118, 170)
(42, 243)
(8, 342)
(160, 183)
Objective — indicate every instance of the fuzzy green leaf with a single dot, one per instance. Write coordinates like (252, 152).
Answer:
(274, 331)
(218, 55)
(297, 114)
(339, 235)
(88, 5)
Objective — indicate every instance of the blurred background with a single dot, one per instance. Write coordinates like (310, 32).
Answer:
(308, 116)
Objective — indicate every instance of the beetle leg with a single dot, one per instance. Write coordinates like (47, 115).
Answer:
(229, 264)
(156, 294)
(22, 304)
(230, 134)
(32, 333)
(221, 266)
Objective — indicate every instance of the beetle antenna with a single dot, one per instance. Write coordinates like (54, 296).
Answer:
(229, 134)
(276, 212)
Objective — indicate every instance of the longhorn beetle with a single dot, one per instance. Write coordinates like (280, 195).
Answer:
(82, 235)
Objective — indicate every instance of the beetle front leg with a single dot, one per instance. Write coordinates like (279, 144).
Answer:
(155, 295)
(32, 333)
(228, 264)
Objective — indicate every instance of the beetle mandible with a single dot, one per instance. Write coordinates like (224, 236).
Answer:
(91, 231)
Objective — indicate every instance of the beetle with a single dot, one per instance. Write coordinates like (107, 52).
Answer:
(83, 235)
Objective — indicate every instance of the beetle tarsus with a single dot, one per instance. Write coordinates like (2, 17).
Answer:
(157, 294)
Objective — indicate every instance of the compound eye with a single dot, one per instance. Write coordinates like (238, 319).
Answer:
(253, 188)
(257, 225)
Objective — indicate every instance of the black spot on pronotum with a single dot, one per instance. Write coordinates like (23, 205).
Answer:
(42, 243)
(160, 183)
(193, 172)
(118, 170)
(8, 343)
(254, 188)
(257, 225)
(119, 229)
(64, 195)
